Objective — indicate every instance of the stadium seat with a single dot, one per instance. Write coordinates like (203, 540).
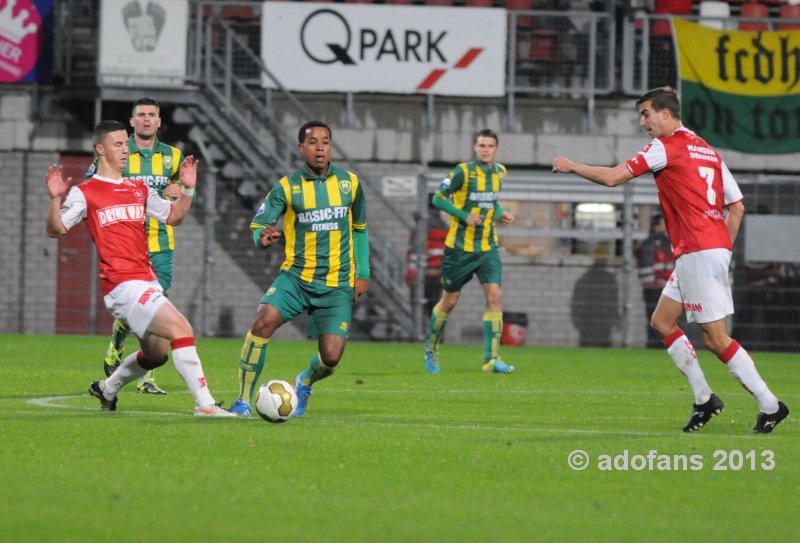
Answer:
(713, 14)
(400, 2)
(544, 45)
(523, 21)
(661, 27)
(790, 11)
(438, 2)
(478, 3)
(754, 9)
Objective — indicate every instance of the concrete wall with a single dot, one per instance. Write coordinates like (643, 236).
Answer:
(393, 129)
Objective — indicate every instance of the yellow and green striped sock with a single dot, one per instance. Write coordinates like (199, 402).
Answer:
(492, 329)
(253, 358)
(316, 371)
(436, 329)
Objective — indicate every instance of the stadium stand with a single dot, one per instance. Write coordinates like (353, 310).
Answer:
(754, 9)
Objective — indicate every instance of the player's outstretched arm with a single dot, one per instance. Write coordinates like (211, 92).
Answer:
(602, 175)
(57, 188)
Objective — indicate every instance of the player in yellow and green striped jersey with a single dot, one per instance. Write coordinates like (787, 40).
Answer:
(471, 248)
(326, 268)
(158, 165)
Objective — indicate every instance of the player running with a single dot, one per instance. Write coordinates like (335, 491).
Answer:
(694, 187)
(326, 267)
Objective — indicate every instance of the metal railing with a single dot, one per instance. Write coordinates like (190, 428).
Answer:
(557, 53)
(648, 48)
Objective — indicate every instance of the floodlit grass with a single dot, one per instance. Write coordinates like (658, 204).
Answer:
(387, 452)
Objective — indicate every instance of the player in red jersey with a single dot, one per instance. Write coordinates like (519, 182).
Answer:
(694, 187)
(115, 209)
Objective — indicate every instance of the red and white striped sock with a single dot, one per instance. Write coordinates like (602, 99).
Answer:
(682, 353)
(129, 370)
(187, 363)
(744, 370)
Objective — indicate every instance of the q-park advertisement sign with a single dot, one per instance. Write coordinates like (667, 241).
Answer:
(395, 49)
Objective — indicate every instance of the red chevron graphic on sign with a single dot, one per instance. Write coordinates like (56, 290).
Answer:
(462, 63)
(431, 80)
(468, 57)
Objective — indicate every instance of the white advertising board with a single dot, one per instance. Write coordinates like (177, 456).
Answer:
(143, 42)
(384, 48)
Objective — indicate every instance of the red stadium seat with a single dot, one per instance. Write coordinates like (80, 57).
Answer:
(523, 21)
(754, 9)
(661, 27)
(544, 45)
(789, 11)
(478, 3)
(438, 2)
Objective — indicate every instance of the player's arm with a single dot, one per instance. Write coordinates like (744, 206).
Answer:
(188, 178)
(505, 216)
(733, 220)
(442, 202)
(57, 189)
(360, 240)
(441, 199)
(361, 255)
(732, 196)
(265, 234)
(602, 175)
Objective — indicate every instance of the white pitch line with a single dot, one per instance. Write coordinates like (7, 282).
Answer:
(48, 401)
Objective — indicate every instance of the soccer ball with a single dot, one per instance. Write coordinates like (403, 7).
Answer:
(276, 401)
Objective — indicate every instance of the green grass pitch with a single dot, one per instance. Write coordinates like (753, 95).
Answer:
(387, 452)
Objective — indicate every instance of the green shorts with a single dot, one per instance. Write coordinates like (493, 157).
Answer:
(459, 266)
(330, 310)
(162, 264)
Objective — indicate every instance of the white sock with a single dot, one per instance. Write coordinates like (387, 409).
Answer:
(682, 352)
(744, 370)
(129, 370)
(187, 362)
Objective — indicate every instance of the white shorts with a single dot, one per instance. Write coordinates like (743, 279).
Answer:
(136, 303)
(701, 282)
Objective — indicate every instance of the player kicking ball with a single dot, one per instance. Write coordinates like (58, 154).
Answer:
(114, 209)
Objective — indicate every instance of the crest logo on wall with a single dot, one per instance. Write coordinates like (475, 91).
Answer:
(144, 25)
